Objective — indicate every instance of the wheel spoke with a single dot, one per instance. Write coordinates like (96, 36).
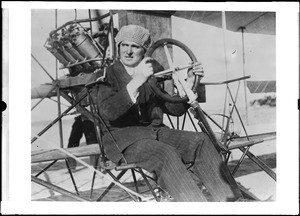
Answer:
(169, 58)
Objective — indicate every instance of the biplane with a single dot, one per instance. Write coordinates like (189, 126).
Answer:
(83, 48)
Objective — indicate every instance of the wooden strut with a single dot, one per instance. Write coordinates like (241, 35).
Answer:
(50, 155)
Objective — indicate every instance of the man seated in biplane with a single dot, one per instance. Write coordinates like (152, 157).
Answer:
(134, 115)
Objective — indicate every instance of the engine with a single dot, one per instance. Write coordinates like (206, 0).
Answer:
(76, 49)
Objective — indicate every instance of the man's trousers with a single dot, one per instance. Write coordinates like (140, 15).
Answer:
(168, 157)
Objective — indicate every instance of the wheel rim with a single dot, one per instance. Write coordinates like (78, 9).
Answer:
(163, 49)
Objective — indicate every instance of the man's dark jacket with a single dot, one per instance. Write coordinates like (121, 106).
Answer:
(129, 122)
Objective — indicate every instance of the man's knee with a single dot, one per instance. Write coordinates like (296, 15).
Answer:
(203, 138)
(202, 135)
(166, 151)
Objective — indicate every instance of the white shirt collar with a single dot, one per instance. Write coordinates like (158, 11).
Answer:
(130, 70)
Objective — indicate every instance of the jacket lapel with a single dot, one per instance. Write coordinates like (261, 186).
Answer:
(121, 74)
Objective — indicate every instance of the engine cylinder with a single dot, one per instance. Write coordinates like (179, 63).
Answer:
(59, 56)
(85, 46)
(70, 58)
(75, 54)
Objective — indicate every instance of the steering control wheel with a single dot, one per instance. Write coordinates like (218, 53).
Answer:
(162, 51)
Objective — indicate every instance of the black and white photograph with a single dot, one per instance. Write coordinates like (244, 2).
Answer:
(192, 103)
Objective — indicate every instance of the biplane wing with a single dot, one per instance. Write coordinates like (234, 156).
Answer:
(253, 22)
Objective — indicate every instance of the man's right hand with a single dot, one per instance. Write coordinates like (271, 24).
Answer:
(143, 71)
